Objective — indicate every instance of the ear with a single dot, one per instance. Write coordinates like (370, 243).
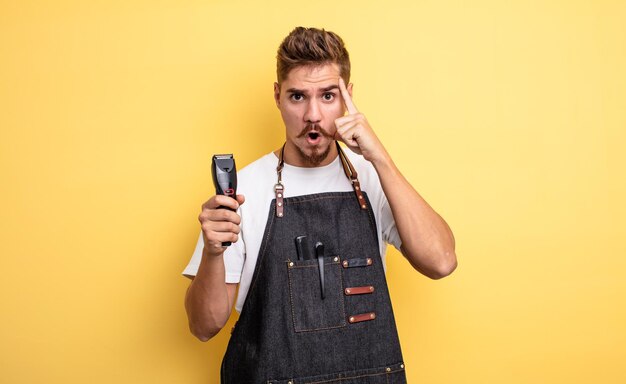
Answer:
(277, 94)
(349, 88)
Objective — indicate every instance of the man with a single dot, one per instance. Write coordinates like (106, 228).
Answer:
(316, 311)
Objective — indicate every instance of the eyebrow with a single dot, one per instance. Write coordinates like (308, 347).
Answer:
(330, 88)
(326, 89)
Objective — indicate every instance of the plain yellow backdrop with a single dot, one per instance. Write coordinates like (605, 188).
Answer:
(509, 117)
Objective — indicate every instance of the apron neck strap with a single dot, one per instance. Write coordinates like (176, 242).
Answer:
(348, 169)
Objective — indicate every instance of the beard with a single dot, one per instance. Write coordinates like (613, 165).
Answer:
(317, 155)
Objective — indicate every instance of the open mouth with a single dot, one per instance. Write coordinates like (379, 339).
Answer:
(313, 138)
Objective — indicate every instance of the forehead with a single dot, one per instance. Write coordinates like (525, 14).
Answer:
(312, 76)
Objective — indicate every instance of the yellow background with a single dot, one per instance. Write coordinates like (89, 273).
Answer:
(508, 117)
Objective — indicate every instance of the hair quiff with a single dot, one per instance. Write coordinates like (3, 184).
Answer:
(311, 46)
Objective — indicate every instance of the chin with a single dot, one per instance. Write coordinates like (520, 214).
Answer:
(314, 157)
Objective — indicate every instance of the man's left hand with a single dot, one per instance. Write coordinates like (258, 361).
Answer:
(354, 130)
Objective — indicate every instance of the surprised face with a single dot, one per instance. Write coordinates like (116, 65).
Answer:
(310, 101)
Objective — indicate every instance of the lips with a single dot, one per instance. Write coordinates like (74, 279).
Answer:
(313, 137)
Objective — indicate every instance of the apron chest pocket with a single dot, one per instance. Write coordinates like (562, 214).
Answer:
(311, 312)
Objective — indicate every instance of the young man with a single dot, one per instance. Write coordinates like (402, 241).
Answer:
(320, 311)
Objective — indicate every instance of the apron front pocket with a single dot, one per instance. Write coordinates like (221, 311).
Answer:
(311, 312)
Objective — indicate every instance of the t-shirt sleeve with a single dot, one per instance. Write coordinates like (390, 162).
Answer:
(233, 260)
(234, 257)
(192, 268)
(388, 225)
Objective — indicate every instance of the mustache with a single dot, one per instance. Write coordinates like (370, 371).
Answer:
(314, 127)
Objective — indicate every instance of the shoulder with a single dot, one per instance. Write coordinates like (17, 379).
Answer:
(368, 177)
(256, 181)
(265, 163)
(366, 171)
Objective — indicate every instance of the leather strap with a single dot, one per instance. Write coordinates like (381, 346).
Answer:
(351, 173)
(279, 188)
(359, 290)
(348, 169)
(362, 317)
(351, 263)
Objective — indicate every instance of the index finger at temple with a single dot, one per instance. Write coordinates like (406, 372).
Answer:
(346, 97)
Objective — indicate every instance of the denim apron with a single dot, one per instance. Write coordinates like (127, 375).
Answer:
(293, 331)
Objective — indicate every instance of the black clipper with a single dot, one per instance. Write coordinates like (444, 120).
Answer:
(224, 178)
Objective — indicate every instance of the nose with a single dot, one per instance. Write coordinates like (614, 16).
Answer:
(313, 113)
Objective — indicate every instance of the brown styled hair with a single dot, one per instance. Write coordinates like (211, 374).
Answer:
(311, 46)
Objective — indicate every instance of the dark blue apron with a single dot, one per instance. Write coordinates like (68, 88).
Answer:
(291, 333)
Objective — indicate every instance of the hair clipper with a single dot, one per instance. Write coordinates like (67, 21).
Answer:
(224, 178)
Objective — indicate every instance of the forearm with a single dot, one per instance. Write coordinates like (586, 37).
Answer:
(208, 301)
(427, 241)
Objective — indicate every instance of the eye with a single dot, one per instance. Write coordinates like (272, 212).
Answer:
(297, 97)
(328, 96)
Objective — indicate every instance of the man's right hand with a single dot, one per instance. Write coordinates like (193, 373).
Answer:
(220, 225)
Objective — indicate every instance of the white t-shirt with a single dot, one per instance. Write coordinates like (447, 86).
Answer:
(256, 182)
